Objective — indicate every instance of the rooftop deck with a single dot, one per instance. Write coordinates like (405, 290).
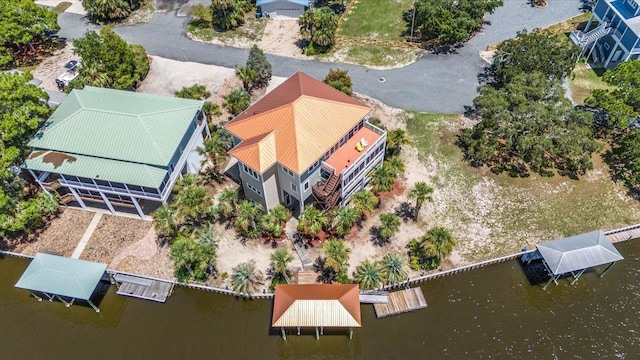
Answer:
(348, 154)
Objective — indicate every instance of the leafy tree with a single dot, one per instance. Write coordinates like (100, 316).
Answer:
(394, 268)
(622, 104)
(340, 80)
(364, 202)
(383, 177)
(537, 51)
(626, 159)
(529, 125)
(108, 61)
(248, 219)
(237, 101)
(258, 63)
(421, 192)
(389, 225)
(279, 267)
(312, 221)
(195, 259)
(229, 14)
(247, 76)
(23, 108)
(448, 22)
(439, 242)
(343, 220)
(336, 260)
(369, 275)
(274, 219)
(24, 26)
(395, 139)
(109, 10)
(202, 15)
(319, 25)
(216, 154)
(245, 279)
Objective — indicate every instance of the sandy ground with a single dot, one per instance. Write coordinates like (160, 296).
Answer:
(282, 37)
(168, 76)
(52, 67)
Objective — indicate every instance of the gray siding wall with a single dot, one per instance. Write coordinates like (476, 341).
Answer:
(271, 190)
(309, 178)
(248, 182)
(285, 179)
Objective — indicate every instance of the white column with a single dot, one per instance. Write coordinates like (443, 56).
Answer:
(613, 51)
(38, 181)
(586, 28)
(75, 194)
(106, 201)
(137, 205)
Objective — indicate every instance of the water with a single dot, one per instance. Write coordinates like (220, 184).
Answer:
(491, 313)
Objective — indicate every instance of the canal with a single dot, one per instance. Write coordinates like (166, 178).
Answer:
(490, 313)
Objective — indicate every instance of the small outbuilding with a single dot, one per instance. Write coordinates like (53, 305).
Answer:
(575, 254)
(282, 9)
(316, 306)
(64, 278)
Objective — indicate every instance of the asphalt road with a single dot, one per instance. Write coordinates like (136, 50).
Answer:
(443, 83)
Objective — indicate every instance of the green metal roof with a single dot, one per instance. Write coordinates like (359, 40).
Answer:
(96, 168)
(118, 125)
(62, 276)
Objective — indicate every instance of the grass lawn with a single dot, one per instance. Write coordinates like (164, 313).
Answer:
(250, 32)
(495, 215)
(376, 19)
(586, 79)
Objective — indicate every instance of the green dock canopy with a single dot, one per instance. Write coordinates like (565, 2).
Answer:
(578, 252)
(52, 274)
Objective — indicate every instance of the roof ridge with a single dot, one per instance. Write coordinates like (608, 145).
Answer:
(62, 121)
(151, 139)
(249, 117)
(332, 101)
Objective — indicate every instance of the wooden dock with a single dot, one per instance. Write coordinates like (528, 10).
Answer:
(624, 234)
(143, 288)
(400, 302)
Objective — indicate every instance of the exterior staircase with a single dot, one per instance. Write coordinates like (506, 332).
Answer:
(328, 193)
(584, 39)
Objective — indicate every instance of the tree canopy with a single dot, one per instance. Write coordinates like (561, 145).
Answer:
(110, 10)
(229, 14)
(622, 104)
(23, 108)
(626, 159)
(258, 63)
(237, 101)
(339, 80)
(529, 125)
(448, 22)
(24, 24)
(109, 62)
(536, 51)
(319, 26)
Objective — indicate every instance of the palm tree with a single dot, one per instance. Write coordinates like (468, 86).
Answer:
(396, 164)
(214, 149)
(343, 220)
(248, 218)
(192, 203)
(383, 177)
(369, 275)
(337, 257)
(395, 139)
(228, 201)
(247, 76)
(187, 181)
(389, 225)
(245, 279)
(394, 266)
(274, 219)
(165, 221)
(280, 260)
(237, 101)
(312, 220)
(439, 242)
(364, 202)
(421, 192)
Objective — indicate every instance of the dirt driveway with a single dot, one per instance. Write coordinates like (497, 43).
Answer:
(282, 37)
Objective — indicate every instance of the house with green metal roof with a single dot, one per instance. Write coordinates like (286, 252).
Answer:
(117, 147)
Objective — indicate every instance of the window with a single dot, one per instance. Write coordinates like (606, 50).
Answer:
(250, 171)
(287, 171)
(294, 187)
(306, 186)
(254, 189)
(313, 167)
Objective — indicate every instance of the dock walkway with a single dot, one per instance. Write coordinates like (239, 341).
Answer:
(401, 301)
(624, 234)
(142, 288)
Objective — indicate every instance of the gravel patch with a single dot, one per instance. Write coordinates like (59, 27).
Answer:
(112, 235)
(159, 266)
(62, 235)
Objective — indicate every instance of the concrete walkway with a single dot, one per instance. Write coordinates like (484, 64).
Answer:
(435, 83)
(87, 235)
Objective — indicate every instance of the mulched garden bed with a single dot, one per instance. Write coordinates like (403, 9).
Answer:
(61, 236)
(113, 234)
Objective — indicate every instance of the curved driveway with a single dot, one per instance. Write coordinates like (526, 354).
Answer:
(443, 83)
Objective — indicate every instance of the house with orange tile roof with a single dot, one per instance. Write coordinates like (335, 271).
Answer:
(305, 142)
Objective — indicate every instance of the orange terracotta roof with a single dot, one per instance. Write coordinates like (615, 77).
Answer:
(260, 150)
(331, 305)
(347, 155)
(307, 117)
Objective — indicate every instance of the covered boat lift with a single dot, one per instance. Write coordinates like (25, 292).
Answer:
(63, 278)
(575, 254)
(318, 306)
